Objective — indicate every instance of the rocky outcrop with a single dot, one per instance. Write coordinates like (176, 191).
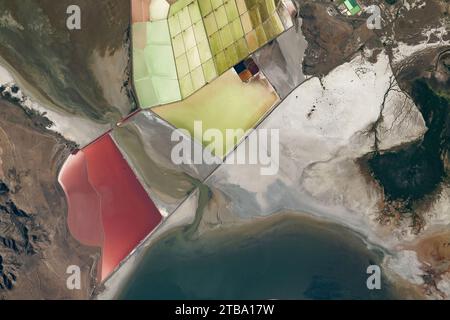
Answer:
(15, 238)
(35, 246)
(332, 40)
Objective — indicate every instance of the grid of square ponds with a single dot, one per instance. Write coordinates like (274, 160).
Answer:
(154, 72)
(211, 36)
(237, 28)
(193, 58)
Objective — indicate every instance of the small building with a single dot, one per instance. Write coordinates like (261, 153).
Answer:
(352, 7)
(246, 69)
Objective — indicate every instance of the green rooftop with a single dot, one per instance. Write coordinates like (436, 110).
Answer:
(352, 6)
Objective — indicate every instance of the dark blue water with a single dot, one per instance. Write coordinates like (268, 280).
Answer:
(281, 258)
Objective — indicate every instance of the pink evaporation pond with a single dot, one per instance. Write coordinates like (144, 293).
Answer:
(107, 205)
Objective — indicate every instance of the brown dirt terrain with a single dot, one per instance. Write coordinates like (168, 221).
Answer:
(408, 25)
(82, 72)
(35, 245)
(435, 250)
(428, 64)
(332, 40)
